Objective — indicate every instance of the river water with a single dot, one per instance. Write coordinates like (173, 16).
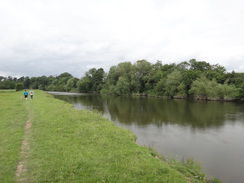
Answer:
(208, 132)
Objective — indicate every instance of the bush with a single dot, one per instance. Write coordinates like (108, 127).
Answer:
(19, 86)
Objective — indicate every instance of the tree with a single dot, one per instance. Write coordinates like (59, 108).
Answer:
(92, 81)
(71, 84)
(122, 86)
(200, 66)
(153, 76)
(199, 88)
(240, 93)
(64, 75)
(125, 70)
(225, 91)
(203, 88)
(7, 84)
(160, 87)
(19, 86)
(142, 68)
(84, 85)
(2, 78)
(217, 72)
(59, 83)
(27, 82)
(174, 85)
(113, 76)
(98, 79)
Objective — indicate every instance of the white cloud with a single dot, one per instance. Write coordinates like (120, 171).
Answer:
(44, 37)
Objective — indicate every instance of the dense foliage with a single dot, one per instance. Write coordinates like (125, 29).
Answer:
(189, 79)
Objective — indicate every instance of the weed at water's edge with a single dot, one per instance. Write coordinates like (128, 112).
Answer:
(190, 168)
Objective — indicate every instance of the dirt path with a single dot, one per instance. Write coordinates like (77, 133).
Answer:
(25, 148)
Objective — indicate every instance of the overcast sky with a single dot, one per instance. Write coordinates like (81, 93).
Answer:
(49, 37)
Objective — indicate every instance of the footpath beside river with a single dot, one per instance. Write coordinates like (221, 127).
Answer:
(47, 140)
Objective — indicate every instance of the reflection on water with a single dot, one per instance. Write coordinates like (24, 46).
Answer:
(143, 111)
(211, 132)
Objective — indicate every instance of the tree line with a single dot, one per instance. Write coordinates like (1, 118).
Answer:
(188, 79)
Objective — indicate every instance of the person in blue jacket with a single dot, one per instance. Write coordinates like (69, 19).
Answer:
(26, 94)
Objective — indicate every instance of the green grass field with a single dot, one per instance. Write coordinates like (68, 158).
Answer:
(68, 145)
(13, 116)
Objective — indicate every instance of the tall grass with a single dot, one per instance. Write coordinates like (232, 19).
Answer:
(69, 145)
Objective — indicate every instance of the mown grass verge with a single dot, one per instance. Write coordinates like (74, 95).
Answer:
(69, 145)
(13, 116)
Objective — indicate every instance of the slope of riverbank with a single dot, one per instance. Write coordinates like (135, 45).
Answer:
(68, 145)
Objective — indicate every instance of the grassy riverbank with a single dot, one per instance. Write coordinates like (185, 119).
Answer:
(62, 144)
(13, 116)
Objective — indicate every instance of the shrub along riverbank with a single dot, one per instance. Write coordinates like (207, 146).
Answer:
(47, 140)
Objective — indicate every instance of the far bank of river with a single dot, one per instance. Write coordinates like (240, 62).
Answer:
(209, 132)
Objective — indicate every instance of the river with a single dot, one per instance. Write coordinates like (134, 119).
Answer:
(208, 132)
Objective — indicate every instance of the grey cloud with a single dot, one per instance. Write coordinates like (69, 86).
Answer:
(51, 37)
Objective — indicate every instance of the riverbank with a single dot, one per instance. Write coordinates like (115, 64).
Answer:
(191, 98)
(68, 145)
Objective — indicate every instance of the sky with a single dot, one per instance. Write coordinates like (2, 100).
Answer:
(50, 37)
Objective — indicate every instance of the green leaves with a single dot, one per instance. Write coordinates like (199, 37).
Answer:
(203, 88)
(183, 80)
(19, 86)
(92, 81)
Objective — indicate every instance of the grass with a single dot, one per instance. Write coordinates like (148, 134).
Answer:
(69, 145)
(13, 115)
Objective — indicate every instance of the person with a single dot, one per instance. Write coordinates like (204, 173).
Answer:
(26, 94)
(31, 94)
